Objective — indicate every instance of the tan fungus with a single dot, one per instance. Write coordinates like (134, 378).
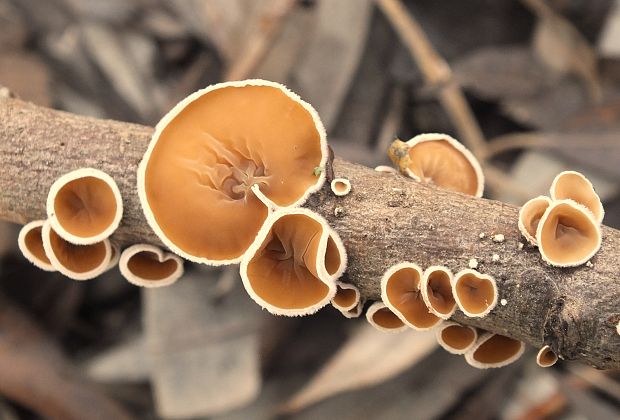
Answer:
(475, 293)
(347, 297)
(148, 266)
(341, 186)
(30, 243)
(436, 291)
(572, 185)
(383, 319)
(530, 215)
(456, 338)
(494, 351)
(546, 357)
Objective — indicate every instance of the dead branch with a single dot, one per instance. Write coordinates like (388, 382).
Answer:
(384, 220)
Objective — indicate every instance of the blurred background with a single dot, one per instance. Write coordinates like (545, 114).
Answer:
(541, 87)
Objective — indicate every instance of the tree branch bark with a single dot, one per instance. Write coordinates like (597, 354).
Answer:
(384, 220)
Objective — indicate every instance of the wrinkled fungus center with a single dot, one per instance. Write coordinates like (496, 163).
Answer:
(548, 357)
(34, 243)
(209, 155)
(146, 266)
(438, 162)
(475, 294)
(77, 258)
(85, 207)
(283, 272)
(497, 349)
(386, 319)
(403, 292)
(439, 291)
(568, 235)
(458, 337)
(345, 298)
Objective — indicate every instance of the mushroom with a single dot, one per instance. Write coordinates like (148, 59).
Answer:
(401, 292)
(383, 319)
(568, 235)
(440, 160)
(116, 256)
(355, 312)
(78, 262)
(341, 186)
(148, 266)
(291, 267)
(494, 351)
(84, 206)
(30, 243)
(346, 298)
(436, 291)
(456, 338)
(546, 357)
(214, 151)
(475, 293)
(386, 169)
(530, 215)
(575, 186)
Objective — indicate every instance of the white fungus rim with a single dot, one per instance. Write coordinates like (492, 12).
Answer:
(161, 125)
(384, 295)
(386, 169)
(424, 137)
(600, 209)
(347, 286)
(540, 353)
(424, 291)
(21, 243)
(372, 309)
(469, 356)
(334, 186)
(531, 239)
(88, 275)
(449, 348)
(355, 312)
(478, 275)
(116, 255)
(161, 257)
(72, 176)
(324, 276)
(585, 211)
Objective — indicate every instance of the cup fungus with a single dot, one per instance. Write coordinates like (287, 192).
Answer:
(568, 234)
(440, 160)
(148, 266)
(383, 319)
(355, 312)
(475, 293)
(115, 256)
(292, 266)
(456, 338)
(214, 151)
(401, 292)
(341, 186)
(386, 169)
(84, 206)
(530, 215)
(546, 357)
(78, 262)
(436, 291)
(575, 186)
(30, 243)
(347, 297)
(494, 351)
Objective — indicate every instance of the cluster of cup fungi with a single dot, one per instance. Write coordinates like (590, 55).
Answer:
(217, 193)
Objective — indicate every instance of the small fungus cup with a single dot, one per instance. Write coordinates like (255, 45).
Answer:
(494, 351)
(530, 215)
(30, 242)
(436, 291)
(572, 185)
(475, 293)
(347, 297)
(383, 319)
(148, 266)
(546, 357)
(84, 206)
(456, 338)
(341, 186)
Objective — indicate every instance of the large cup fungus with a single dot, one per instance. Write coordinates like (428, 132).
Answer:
(383, 319)
(575, 186)
(292, 266)
(84, 206)
(440, 160)
(30, 242)
(148, 266)
(530, 215)
(456, 338)
(214, 151)
(436, 291)
(401, 291)
(475, 293)
(494, 351)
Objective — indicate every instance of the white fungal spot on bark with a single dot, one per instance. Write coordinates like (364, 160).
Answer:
(520, 245)
(589, 264)
(495, 257)
(473, 263)
(498, 238)
(503, 302)
(482, 235)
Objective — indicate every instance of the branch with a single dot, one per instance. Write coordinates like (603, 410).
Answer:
(386, 219)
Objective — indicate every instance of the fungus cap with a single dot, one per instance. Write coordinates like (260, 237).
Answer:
(346, 298)
(148, 266)
(436, 291)
(291, 267)
(441, 160)
(211, 149)
(84, 206)
(382, 318)
(530, 215)
(78, 262)
(341, 186)
(355, 312)
(386, 169)
(494, 351)
(568, 235)
(475, 293)
(401, 292)
(575, 186)
(546, 357)
(456, 338)
(30, 242)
